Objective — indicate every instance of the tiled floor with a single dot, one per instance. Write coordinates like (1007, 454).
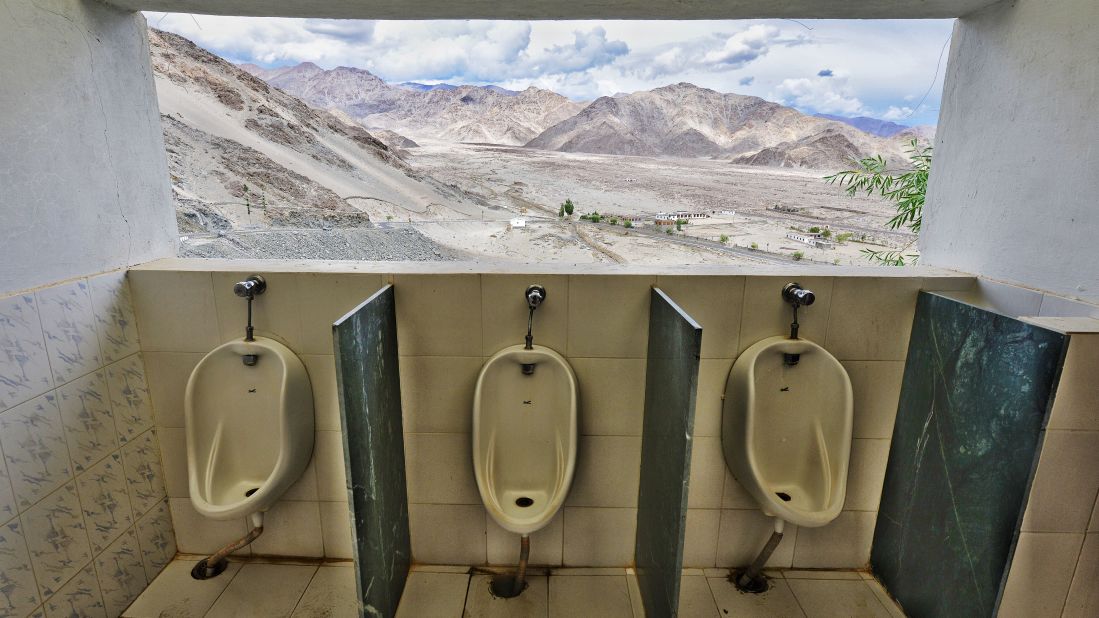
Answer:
(252, 589)
(299, 590)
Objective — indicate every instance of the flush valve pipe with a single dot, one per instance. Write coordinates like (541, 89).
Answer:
(752, 579)
(250, 288)
(536, 295)
(796, 296)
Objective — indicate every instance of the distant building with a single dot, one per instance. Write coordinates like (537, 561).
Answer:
(517, 222)
(813, 240)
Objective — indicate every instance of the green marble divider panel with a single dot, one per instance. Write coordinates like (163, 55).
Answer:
(976, 393)
(370, 407)
(671, 386)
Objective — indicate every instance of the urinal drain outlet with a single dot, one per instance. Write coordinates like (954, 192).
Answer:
(523, 502)
(251, 491)
(784, 496)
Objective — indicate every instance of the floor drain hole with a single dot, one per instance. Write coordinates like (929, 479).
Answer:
(524, 502)
(251, 491)
(785, 496)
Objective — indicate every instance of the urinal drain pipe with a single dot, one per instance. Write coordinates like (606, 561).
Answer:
(752, 578)
(216, 563)
(521, 576)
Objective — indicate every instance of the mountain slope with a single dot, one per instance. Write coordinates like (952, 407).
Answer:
(453, 113)
(251, 154)
(685, 120)
(873, 126)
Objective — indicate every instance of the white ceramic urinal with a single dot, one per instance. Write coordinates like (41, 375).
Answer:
(524, 436)
(786, 429)
(249, 417)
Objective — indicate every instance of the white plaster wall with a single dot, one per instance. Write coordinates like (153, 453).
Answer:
(1015, 177)
(83, 176)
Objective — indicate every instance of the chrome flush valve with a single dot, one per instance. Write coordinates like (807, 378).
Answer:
(797, 296)
(536, 294)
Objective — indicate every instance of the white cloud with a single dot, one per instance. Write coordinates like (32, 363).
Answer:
(820, 94)
(897, 113)
(877, 65)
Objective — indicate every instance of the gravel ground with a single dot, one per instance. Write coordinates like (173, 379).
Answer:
(369, 244)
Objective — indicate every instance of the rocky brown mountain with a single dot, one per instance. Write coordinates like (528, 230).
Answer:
(684, 120)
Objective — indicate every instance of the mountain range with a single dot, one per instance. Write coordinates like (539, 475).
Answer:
(680, 120)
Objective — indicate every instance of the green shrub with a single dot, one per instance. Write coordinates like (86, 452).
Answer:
(814, 230)
(724, 238)
(568, 207)
(627, 223)
(797, 256)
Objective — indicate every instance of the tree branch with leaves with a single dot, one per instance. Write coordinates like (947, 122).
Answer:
(906, 188)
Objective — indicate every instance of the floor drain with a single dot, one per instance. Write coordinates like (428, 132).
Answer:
(785, 496)
(524, 502)
(251, 491)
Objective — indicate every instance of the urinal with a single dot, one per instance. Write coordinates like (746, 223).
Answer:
(524, 439)
(249, 418)
(786, 429)
(248, 411)
(524, 436)
(786, 433)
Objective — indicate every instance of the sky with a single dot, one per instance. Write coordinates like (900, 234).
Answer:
(889, 69)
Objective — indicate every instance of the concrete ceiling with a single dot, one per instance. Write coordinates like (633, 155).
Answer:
(567, 9)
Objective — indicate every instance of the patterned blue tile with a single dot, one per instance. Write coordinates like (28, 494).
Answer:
(57, 540)
(114, 315)
(121, 573)
(130, 401)
(69, 326)
(24, 364)
(33, 440)
(156, 539)
(80, 598)
(105, 502)
(8, 507)
(86, 414)
(143, 472)
(18, 592)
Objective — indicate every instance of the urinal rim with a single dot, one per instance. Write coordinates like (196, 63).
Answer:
(268, 493)
(488, 497)
(767, 502)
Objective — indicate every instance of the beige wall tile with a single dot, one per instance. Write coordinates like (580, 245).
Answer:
(504, 311)
(323, 299)
(871, 318)
(716, 304)
(734, 496)
(336, 530)
(743, 534)
(439, 468)
(447, 533)
(707, 473)
(173, 452)
(842, 544)
(1063, 493)
(167, 374)
(437, 392)
(865, 474)
(608, 469)
(609, 316)
(1040, 574)
(712, 376)
(275, 313)
(175, 311)
(765, 314)
(545, 544)
(330, 466)
(196, 534)
(439, 315)
(326, 401)
(876, 386)
(700, 539)
(305, 487)
(1074, 406)
(612, 395)
(599, 537)
(1083, 594)
(291, 529)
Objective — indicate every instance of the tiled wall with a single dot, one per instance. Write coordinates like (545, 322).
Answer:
(450, 323)
(1056, 561)
(84, 522)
